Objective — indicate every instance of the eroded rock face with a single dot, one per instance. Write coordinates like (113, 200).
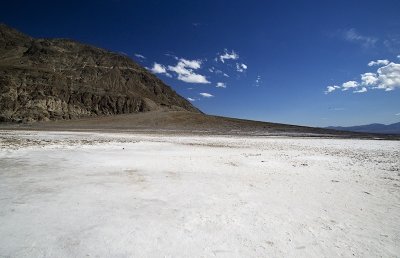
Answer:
(43, 79)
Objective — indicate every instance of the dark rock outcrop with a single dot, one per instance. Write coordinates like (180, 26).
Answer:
(51, 79)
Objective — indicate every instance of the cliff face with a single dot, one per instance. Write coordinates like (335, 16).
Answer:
(50, 79)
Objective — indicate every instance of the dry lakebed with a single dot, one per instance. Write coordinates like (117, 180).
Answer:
(77, 194)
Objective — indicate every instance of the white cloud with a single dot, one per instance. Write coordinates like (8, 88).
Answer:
(398, 56)
(185, 70)
(193, 78)
(332, 88)
(194, 64)
(226, 75)
(227, 56)
(368, 79)
(140, 56)
(398, 114)
(221, 85)
(379, 62)
(349, 84)
(160, 69)
(362, 90)
(206, 95)
(190, 99)
(387, 78)
(241, 67)
(352, 35)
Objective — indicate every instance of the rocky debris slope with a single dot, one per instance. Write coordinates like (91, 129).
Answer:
(52, 79)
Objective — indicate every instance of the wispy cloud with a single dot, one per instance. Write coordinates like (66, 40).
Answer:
(190, 99)
(241, 67)
(331, 88)
(221, 85)
(217, 71)
(206, 95)
(258, 80)
(140, 56)
(392, 43)
(352, 35)
(171, 55)
(349, 85)
(203, 70)
(336, 108)
(227, 56)
(379, 62)
(362, 90)
(185, 71)
(387, 77)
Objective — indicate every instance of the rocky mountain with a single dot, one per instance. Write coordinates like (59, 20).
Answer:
(54, 79)
(371, 128)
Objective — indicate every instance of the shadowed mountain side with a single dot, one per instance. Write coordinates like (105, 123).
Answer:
(56, 79)
(187, 122)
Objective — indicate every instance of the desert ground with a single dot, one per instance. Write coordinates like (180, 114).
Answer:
(183, 122)
(88, 194)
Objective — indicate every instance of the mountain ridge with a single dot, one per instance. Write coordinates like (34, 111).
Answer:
(58, 79)
(370, 128)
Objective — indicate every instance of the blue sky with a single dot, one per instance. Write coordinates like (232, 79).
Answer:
(272, 60)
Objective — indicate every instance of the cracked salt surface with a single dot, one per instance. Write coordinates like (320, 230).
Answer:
(124, 195)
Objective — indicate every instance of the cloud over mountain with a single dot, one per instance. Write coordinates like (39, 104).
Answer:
(140, 56)
(206, 95)
(185, 71)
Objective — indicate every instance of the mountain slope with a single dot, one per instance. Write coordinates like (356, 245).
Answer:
(184, 122)
(371, 128)
(53, 79)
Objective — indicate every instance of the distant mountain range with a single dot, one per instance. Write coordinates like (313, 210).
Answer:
(371, 128)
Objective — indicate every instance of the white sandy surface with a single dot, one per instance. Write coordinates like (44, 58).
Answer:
(116, 195)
